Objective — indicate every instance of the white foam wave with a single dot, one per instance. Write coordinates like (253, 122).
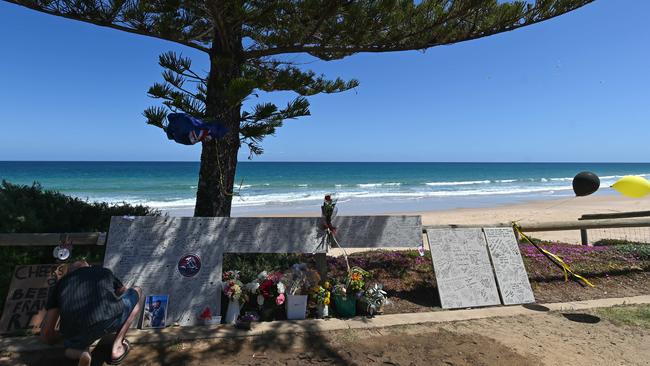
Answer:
(505, 181)
(462, 183)
(375, 185)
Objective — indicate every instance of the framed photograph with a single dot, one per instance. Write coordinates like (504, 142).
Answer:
(155, 311)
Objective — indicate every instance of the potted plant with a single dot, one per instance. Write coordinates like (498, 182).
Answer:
(234, 291)
(346, 293)
(374, 299)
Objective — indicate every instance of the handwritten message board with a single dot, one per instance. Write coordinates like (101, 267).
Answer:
(177, 256)
(182, 256)
(508, 266)
(25, 305)
(378, 231)
(462, 268)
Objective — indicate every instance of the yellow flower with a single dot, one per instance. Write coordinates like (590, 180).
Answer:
(356, 276)
(327, 285)
(326, 301)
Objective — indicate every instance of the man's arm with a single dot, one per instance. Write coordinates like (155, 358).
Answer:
(49, 334)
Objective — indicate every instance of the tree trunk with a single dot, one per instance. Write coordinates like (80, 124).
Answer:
(219, 158)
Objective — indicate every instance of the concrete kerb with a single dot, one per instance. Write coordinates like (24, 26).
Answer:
(178, 334)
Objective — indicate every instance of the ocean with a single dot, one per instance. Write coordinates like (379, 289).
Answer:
(286, 187)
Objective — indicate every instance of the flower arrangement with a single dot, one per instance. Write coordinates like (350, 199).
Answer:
(328, 210)
(267, 287)
(233, 287)
(374, 298)
(321, 295)
(300, 279)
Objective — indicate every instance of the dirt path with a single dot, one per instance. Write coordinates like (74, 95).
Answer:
(544, 339)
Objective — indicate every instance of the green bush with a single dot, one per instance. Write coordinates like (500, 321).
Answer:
(640, 251)
(31, 209)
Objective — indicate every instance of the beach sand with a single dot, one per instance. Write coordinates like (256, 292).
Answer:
(542, 211)
(565, 209)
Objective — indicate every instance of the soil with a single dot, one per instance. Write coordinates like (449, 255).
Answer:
(424, 295)
(542, 339)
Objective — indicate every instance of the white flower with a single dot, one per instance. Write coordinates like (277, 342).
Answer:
(262, 275)
(281, 287)
(252, 287)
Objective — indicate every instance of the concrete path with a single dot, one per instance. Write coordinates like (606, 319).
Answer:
(176, 334)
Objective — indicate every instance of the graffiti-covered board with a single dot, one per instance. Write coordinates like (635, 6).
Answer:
(462, 268)
(508, 266)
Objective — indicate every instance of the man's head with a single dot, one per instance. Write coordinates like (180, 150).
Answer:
(157, 304)
(76, 265)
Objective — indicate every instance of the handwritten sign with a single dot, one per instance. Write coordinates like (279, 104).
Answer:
(462, 268)
(25, 305)
(508, 266)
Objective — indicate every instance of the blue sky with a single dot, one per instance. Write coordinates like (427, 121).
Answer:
(575, 88)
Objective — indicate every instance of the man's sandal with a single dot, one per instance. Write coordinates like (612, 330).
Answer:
(117, 361)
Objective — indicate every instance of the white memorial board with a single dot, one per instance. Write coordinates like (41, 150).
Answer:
(182, 256)
(508, 266)
(462, 268)
(177, 256)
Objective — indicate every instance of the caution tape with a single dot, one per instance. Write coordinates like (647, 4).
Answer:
(554, 258)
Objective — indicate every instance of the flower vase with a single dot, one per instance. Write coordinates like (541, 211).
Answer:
(323, 311)
(296, 306)
(233, 311)
(345, 305)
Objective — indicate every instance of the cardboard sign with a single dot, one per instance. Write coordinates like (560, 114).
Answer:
(25, 305)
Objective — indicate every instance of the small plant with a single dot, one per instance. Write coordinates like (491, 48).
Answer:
(374, 297)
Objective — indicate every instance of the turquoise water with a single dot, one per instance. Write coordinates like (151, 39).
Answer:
(285, 187)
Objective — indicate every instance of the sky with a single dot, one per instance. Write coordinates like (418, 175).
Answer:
(572, 89)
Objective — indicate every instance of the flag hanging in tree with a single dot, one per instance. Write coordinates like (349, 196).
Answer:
(188, 130)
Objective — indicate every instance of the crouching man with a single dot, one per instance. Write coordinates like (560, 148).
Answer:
(91, 302)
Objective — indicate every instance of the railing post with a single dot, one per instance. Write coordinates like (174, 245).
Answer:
(583, 237)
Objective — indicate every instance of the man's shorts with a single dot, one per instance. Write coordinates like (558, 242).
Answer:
(82, 341)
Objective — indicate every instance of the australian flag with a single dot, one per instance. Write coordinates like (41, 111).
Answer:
(188, 130)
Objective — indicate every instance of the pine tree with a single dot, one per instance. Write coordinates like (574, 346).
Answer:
(245, 41)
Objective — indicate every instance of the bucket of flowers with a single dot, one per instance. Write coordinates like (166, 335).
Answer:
(269, 293)
(299, 280)
(347, 292)
(321, 295)
(237, 297)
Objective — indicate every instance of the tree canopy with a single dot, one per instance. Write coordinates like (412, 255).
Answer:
(245, 40)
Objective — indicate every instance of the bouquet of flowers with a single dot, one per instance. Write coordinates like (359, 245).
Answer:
(233, 287)
(355, 280)
(328, 210)
(267, 287)
(321, 294)
(300, 280)
(374, 297)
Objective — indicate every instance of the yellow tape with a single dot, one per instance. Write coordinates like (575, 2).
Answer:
(556, 259)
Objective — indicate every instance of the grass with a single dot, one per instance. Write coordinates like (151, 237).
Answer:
(635, 315)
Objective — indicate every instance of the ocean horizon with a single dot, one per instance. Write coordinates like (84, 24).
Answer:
(299, 187)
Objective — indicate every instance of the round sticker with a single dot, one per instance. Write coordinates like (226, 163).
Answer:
(61, 253)
(189, 265)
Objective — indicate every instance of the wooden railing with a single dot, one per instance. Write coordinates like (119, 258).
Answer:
(583, 225)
